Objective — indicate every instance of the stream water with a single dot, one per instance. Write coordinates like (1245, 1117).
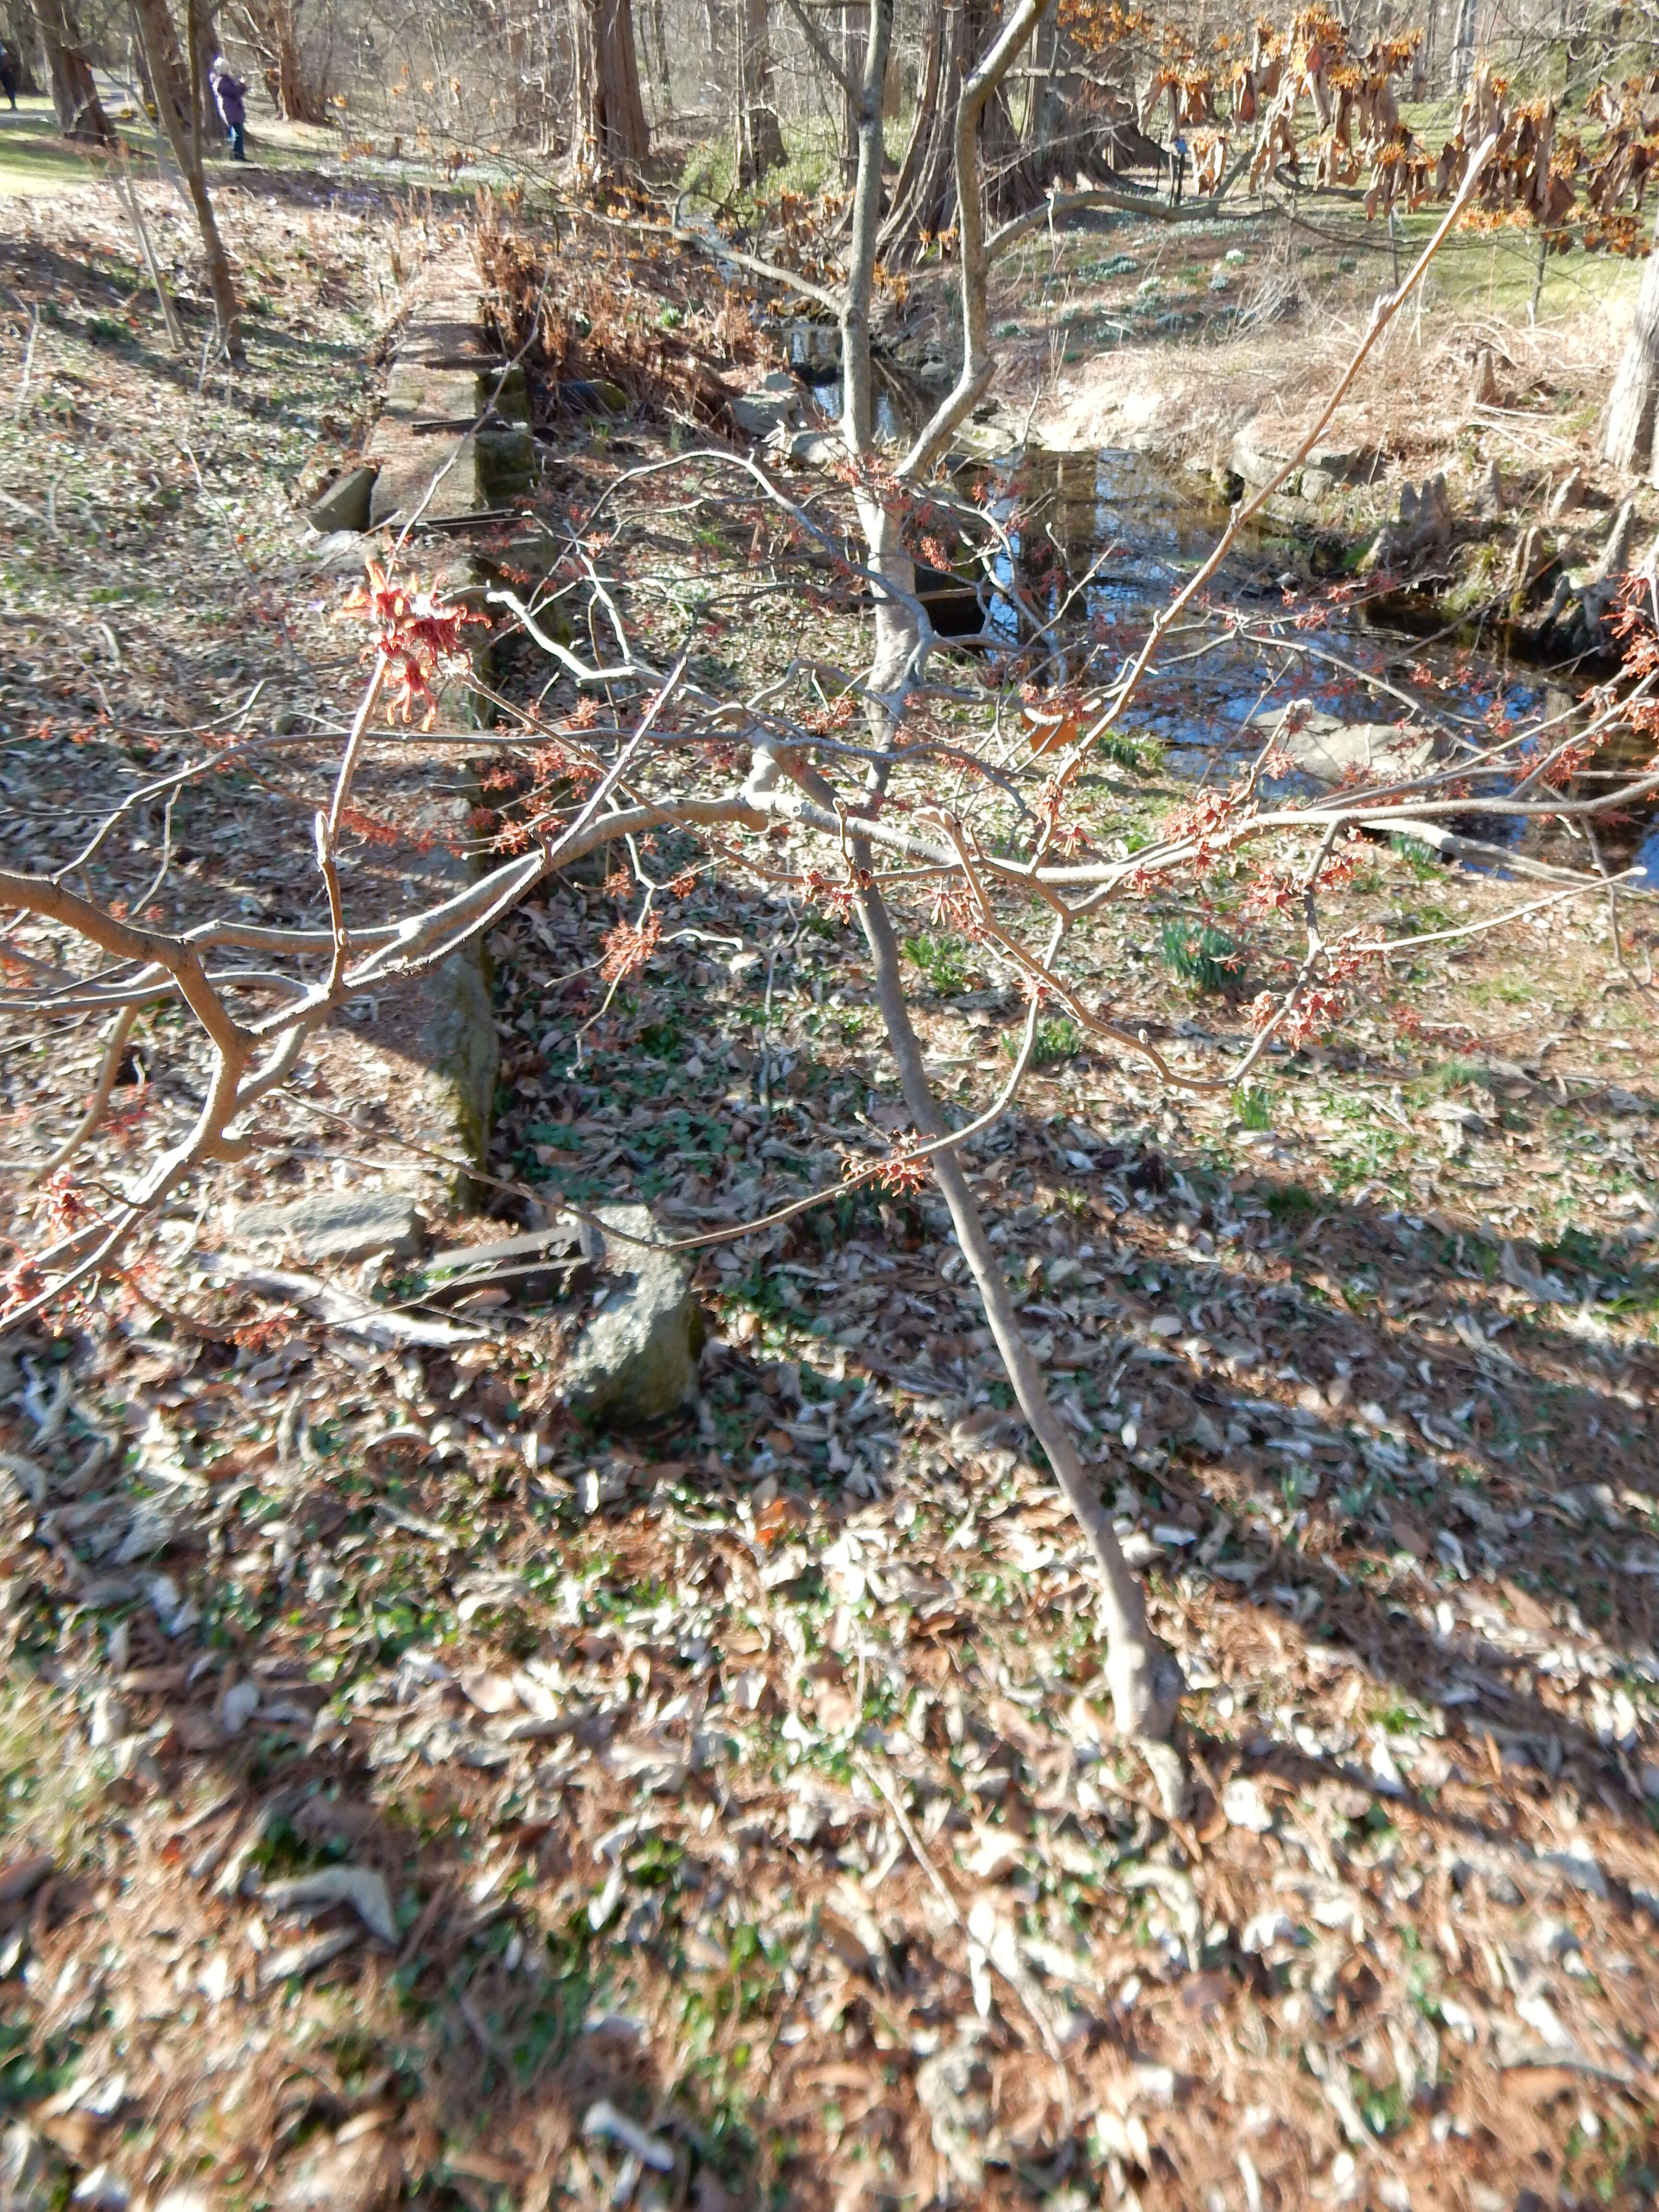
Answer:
(1101, 541)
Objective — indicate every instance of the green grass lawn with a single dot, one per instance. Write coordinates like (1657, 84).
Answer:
(35, 161)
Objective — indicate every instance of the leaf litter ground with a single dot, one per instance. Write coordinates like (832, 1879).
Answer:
(410, 1793)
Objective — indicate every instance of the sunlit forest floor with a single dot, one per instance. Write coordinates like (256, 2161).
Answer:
(729, 1814)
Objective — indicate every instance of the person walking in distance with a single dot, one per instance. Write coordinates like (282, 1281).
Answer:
(8, 74)
(230, 97)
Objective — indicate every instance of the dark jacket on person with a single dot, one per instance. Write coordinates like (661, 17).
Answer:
(9, 73)
(230, 98)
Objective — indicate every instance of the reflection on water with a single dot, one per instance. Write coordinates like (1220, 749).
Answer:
(900, 412)
(814, 351)
(1101, 543)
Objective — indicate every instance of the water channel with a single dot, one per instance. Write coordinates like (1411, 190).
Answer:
(1100, 542)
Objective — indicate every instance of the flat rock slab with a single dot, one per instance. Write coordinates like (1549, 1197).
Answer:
(444, 377)
(336, 1224)
(773, 404)
(637, 1358)
(1329, 750)
(1262, 448)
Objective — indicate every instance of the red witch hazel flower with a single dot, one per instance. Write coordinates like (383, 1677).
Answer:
(627, 948)
(1314, 1014)
(902, 1173)
(417, 635)
(67, 1208)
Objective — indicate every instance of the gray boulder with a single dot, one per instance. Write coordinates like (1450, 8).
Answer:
(1327, 750)
(1262, 447)
(345, 504)
(773, 404)
(637, 1358)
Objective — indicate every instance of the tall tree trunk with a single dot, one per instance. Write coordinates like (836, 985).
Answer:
(151, 17)
(760, 140)
(924, 121)
(1628, 441)
(853, 48)
(20, 34)
(656, 58)
(203, 28)
(716, 43)
(296, 97)
(611, 129)
(924, 200)
(173, 76)
(1145, 1680)
(659, 43)
(1463, 46)
(74, 95)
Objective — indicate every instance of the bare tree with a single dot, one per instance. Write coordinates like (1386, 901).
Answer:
(74, 95)
(274, 27)
(155, 28)
(867, 819)
(1627, 440)
(760, 138)
(1463, 44)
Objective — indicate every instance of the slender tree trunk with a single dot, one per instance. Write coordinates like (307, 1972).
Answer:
(854, 46)
(716, 42)
(857, 416)
(74, 95)
(173, 74)
(610, 126)
(656, 57)
(203, 29)
(760, 140)
(151, 17)
(1628, 442)
(1145, 1679)
(1463, 44)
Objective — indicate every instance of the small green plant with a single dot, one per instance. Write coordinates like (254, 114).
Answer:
(1292, 1205)
(1057, 1039)
(1252, 1106)
(941, 959)
(661, 1040)
(1206, 958)
(1422, 863)
(1128, 752)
